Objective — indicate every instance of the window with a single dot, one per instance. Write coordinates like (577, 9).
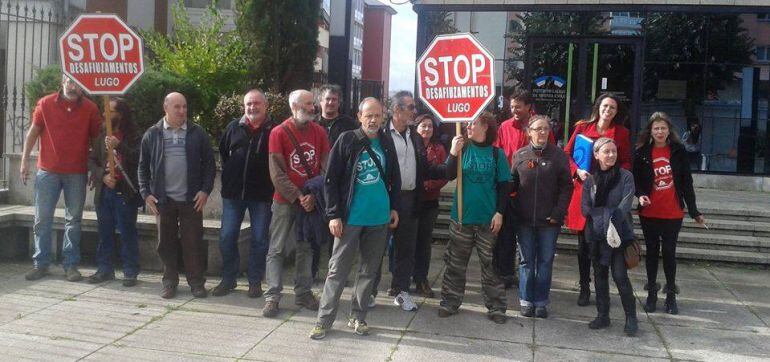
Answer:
(763, 17)
(762, 53)
(221, 4)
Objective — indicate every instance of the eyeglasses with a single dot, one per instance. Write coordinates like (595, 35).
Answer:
(540, 129)
(410, 107)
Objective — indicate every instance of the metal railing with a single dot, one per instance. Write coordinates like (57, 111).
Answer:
(29, 31)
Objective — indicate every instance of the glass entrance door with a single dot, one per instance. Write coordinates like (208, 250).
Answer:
(566, 75)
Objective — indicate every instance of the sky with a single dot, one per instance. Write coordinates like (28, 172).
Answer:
(403, 38)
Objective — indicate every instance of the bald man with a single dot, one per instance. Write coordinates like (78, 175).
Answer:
(246, 185)
(182, 150)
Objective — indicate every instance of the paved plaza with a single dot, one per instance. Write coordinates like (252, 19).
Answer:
(725, 315)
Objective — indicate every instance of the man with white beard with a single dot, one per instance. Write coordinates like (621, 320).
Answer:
(298, 150)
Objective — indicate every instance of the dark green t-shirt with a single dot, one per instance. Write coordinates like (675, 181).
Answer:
(370, 205)
(479, 185)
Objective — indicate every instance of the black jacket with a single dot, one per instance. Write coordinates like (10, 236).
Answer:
(543, 185)
(644, 176)
(340, 173)
(128, 149)
(200, 162)
(335, 127)
(245, 170)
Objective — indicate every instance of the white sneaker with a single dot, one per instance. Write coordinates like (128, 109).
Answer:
(372, 301)
(405, 302)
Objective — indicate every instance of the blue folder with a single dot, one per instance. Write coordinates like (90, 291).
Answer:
(582, 152)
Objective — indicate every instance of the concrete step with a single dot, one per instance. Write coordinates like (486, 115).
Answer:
(723, 240)
(686, 252)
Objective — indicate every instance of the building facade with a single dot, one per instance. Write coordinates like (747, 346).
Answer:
(704, 62)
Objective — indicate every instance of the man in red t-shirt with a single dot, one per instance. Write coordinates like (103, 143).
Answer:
(298, 150)
(66, 123)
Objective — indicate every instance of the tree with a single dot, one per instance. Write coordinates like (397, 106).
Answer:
(281, 39)
(213, 60)
(706, 50)
(439, 22)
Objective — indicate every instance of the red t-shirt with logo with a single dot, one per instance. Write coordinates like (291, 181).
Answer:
(664, 202)
(314, 144)
(66, 128)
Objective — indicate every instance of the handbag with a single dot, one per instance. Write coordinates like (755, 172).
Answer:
(632, 254)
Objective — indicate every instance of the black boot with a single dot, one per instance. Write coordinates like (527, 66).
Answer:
(600, 322)
(652, 297)
(632, 325)
(670, 304)
(584, 298)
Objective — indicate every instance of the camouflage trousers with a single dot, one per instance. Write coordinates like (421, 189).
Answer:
(458, 253)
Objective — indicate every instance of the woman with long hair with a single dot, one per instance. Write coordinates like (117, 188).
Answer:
(485, 179)
(543, 186)
(608, 193)
(428, 211)
(116, 196)
(664, 187)
(607, 117)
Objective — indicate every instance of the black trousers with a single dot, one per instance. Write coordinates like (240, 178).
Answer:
(505, 249)
(405, 241)
(584, 259)
(661, 234)
(602, 284)
(427, 215)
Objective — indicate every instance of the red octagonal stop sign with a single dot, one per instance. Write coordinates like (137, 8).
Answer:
(102, 54)
(455, 77)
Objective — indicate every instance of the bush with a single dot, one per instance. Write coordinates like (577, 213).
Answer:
(146, 96)
(230, 107)
(278, 106)
(46, 81)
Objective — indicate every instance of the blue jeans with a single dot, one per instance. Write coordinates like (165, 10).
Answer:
(537, 246)
(232, 217)
(48, 187)
(113, 212)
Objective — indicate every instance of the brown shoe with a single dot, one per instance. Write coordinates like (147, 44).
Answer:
(222, 289)
(199, 292)
(270, 310)
(168, 292)
(255, 290)
(308, 301)
(424, 290)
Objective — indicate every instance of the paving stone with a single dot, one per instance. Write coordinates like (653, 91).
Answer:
(727, 315)
(754, 296)
(438, 347)
(575, 334)
(16, 346)
(471, 321)
(129, 354)
(202, 333)
(716, 345)
(16, 306)
(83, 321)
(547, 354)
(741, 275)
(291, 342)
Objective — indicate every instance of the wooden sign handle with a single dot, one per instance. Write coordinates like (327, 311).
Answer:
(108, 128)
(459, 186)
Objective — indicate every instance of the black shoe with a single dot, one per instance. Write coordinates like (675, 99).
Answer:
(36, 273)
(670, 304)
(100, 277)
(129, 282)
(632, 325)
(527, 311)
(255, 290)
(444, 312)
(652, 300)
(584, 298)
(600, 322)
(541, 312)
(222, 289)
(199, 292)
(497, 318)
(168, 292)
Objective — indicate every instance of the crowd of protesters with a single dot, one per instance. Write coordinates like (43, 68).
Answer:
(361, 189)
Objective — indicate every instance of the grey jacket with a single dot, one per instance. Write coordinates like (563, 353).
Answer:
(618, 211)
(200, 162)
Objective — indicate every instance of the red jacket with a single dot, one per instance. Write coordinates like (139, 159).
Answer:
(622, 138)
(435, 155)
